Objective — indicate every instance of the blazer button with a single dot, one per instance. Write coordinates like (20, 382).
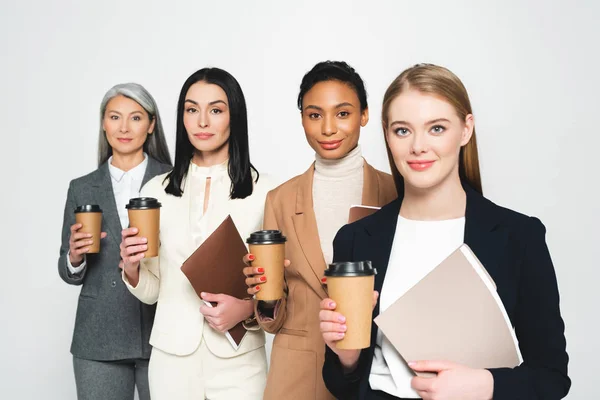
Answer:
(113, 283)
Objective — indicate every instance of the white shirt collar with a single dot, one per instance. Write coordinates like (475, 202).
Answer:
(216, 171)
(136, 172)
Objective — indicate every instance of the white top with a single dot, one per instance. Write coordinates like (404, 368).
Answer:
(126, 185)
(418, 247)
(337, 184)
(210, 186)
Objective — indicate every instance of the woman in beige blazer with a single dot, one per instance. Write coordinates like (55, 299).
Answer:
(310, 209)
(212, 178)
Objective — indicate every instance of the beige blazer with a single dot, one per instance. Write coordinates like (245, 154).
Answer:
(298, 349)
(179, 326)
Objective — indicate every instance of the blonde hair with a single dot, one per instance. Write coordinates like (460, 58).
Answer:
(439, 81)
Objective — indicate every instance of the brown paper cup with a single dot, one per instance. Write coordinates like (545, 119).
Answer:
(92, 223)
(271, 258)
(353, 297)
(147, 221)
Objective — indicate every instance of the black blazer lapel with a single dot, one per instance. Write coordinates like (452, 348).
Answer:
(485, 236)
(379, 236)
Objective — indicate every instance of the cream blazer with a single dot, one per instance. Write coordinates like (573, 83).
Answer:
(179, 326)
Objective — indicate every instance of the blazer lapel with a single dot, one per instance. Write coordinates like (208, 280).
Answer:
(481, 233)
(379, 234)
(305, 226)
(152, 169)
(106, 199)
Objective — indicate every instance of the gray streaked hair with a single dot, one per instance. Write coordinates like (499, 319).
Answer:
(155, 145)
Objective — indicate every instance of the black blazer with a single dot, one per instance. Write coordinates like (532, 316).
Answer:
(513, 249)
(111, 324)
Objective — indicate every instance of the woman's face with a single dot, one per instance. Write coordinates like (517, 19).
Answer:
(206, 117)
(332, 118)
(127, 125)
(425, 135)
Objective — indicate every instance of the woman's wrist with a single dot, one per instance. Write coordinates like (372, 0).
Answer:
(349, 362)
(132, 275)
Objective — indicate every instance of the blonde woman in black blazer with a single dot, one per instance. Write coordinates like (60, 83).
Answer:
(429, 131)
(110, 341)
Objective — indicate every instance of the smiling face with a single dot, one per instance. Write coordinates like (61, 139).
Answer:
(127, 125)
(425, 135)
(332, 118)
(206, 118)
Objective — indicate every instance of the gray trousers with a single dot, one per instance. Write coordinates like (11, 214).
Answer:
(111, 380)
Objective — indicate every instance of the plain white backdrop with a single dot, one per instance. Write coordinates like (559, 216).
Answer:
(531, 69)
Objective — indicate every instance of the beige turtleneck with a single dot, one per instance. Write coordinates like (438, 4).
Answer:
(337, 185)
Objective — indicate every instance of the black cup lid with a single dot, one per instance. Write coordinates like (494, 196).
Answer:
(88, 208)
(143, 203)
(266, 237)
(351, 268)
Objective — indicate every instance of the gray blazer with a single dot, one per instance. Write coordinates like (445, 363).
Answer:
(111, 324)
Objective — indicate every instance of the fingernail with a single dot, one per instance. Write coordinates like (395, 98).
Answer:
(323, 280)
(261, 270)
(344, 328)
(263, 278)
(331, 304)
(412, 363)
(251, 257)
(257, 287)
(341, 334)
(202, 294)
(341, 318)
(89, 235)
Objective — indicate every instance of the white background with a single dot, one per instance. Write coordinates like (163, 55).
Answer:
(531, 69)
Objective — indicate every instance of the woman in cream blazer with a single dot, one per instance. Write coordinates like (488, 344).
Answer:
(191, 357)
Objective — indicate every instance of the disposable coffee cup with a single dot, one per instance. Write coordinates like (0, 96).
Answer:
(269, 249)
(90, 217)
(144, 214)
(350, 285)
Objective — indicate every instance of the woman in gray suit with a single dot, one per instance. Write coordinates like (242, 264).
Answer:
(110, 341)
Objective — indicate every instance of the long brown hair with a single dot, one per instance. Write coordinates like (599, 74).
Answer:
(439, 81)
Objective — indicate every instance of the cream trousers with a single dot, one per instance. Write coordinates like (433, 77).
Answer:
(202, 375)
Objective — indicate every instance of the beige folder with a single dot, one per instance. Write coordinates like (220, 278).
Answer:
(453, 314)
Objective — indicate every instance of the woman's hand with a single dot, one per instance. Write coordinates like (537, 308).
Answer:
(453, 381)
(79, 243)
(132, 252)
(228, 312)
(333, 329)
(254, 274)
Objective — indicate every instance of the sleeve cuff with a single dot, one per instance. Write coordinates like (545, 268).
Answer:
(75, 270)
(141, 281)
(505, 383)
(266, 318)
